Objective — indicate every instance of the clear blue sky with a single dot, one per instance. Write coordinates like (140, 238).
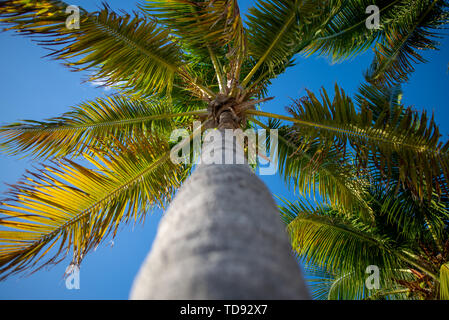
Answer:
(36, 88)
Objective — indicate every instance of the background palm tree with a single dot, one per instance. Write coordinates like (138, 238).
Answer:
(179, 61)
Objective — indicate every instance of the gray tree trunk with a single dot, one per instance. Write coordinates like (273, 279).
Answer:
(221, 238)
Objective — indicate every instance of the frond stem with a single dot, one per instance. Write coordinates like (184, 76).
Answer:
(110, 123)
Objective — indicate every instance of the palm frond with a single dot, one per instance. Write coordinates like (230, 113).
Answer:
(208, 29)
(350, 287)
(412, 138)
(403, 27)
(319, 280)
(130, 52)
(91, 124)
(444, 281)
(410, 32)
(342, 246)
(346, 34)
(272, 27)
(71, 207)
(200, 24)
(379, 99)
(279, 29)
(312, 170)
(403, 216)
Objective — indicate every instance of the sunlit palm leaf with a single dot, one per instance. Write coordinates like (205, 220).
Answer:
(407, 215)
(346, 34)
(318, 279)
(444, 281)
(72, 207)
(405, 134)
(385, 102)
(410, 137)
(350, 287)
(273, 29)
(379, 99)
(130, 51)
(412, 232)
(92, 124)
(200, 24)
(209, 29)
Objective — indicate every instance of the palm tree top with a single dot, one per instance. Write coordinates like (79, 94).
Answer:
(176, 61)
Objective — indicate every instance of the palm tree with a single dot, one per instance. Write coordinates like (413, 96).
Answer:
(179, 61)
(407, 240)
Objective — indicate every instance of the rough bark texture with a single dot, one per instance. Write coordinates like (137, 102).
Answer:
(221, 238)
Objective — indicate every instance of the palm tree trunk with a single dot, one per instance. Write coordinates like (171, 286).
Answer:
(221, 238)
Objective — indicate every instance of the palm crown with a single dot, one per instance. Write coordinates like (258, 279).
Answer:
(178, 61)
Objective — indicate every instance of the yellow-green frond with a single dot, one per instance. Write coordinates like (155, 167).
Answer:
(278, 29)
(73, 208)
(93, 124)
(128, 51)
(211, 30)
(444, 281)
(315, 170)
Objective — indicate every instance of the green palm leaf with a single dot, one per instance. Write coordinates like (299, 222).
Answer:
(379, 99)
(411, 31)
(408, 231)
(349, 287)
(277, 30)
(346, 34)
(312, 171)
(210, 30)
(199, 24)
(71, 207)
(93, 123)
(324, 237)
(405, 134)
(131, 52)
(408, 215)
(272, 27)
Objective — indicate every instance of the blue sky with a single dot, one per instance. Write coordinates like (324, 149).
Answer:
(36, 88)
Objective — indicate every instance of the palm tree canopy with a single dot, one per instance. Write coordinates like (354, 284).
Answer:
(177, 61)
